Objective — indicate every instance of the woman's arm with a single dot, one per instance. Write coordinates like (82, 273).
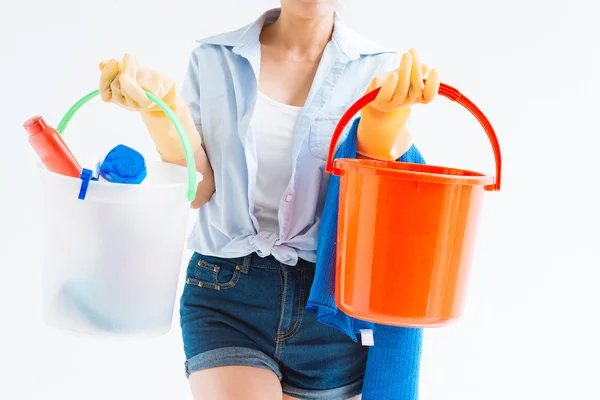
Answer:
(206, 187)
(125, 82)
(168, 145)
(383, 135)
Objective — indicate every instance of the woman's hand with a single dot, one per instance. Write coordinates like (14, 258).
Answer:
(382, 132)
(404, 86)
(124, 82)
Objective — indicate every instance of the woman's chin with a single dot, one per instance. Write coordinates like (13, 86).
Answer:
(310, 9)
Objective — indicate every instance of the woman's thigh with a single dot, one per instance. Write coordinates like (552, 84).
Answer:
(235, 383)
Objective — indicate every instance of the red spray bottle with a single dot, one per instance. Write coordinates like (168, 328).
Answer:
(50, 147)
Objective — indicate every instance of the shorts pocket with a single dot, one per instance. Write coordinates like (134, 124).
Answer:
(216, 276)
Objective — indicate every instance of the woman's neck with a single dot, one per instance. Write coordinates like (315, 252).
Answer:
(299, 37)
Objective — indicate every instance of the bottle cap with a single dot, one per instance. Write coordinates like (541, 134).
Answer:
(123, 165)
(35, 125)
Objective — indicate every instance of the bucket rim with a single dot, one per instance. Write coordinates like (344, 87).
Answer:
(375, 167)
(43, 170)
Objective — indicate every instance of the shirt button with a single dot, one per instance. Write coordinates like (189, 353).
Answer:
(289, 198)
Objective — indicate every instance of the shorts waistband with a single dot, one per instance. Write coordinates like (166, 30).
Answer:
(254, 260)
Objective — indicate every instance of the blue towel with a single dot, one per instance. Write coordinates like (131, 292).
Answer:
(393, 363)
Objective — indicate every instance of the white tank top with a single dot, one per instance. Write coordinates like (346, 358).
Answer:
(273, 124)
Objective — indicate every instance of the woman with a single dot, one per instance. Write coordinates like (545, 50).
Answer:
(259, 106)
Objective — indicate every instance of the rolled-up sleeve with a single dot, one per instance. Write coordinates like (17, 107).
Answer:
(190, 91)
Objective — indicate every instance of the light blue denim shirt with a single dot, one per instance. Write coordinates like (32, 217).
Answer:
(221, 87)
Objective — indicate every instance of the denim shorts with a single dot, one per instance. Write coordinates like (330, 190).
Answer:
(251, 311)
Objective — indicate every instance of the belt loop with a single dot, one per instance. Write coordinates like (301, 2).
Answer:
(246, 264)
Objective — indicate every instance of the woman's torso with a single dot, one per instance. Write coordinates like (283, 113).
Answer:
(273, 123)
(221, 89)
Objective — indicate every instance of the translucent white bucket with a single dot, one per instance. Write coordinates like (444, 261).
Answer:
(112, 261)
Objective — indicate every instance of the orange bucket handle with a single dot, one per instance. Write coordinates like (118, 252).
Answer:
(446, 91)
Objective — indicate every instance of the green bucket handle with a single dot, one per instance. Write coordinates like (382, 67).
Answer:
(185, 141)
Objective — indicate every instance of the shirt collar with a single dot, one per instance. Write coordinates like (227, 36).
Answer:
(349, 42)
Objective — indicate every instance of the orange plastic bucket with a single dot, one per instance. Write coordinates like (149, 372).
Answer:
(406, 232)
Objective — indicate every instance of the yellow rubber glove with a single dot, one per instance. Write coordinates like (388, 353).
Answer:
(123, 82)
(382, 132)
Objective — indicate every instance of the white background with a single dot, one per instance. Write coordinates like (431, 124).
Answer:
(530, 326)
